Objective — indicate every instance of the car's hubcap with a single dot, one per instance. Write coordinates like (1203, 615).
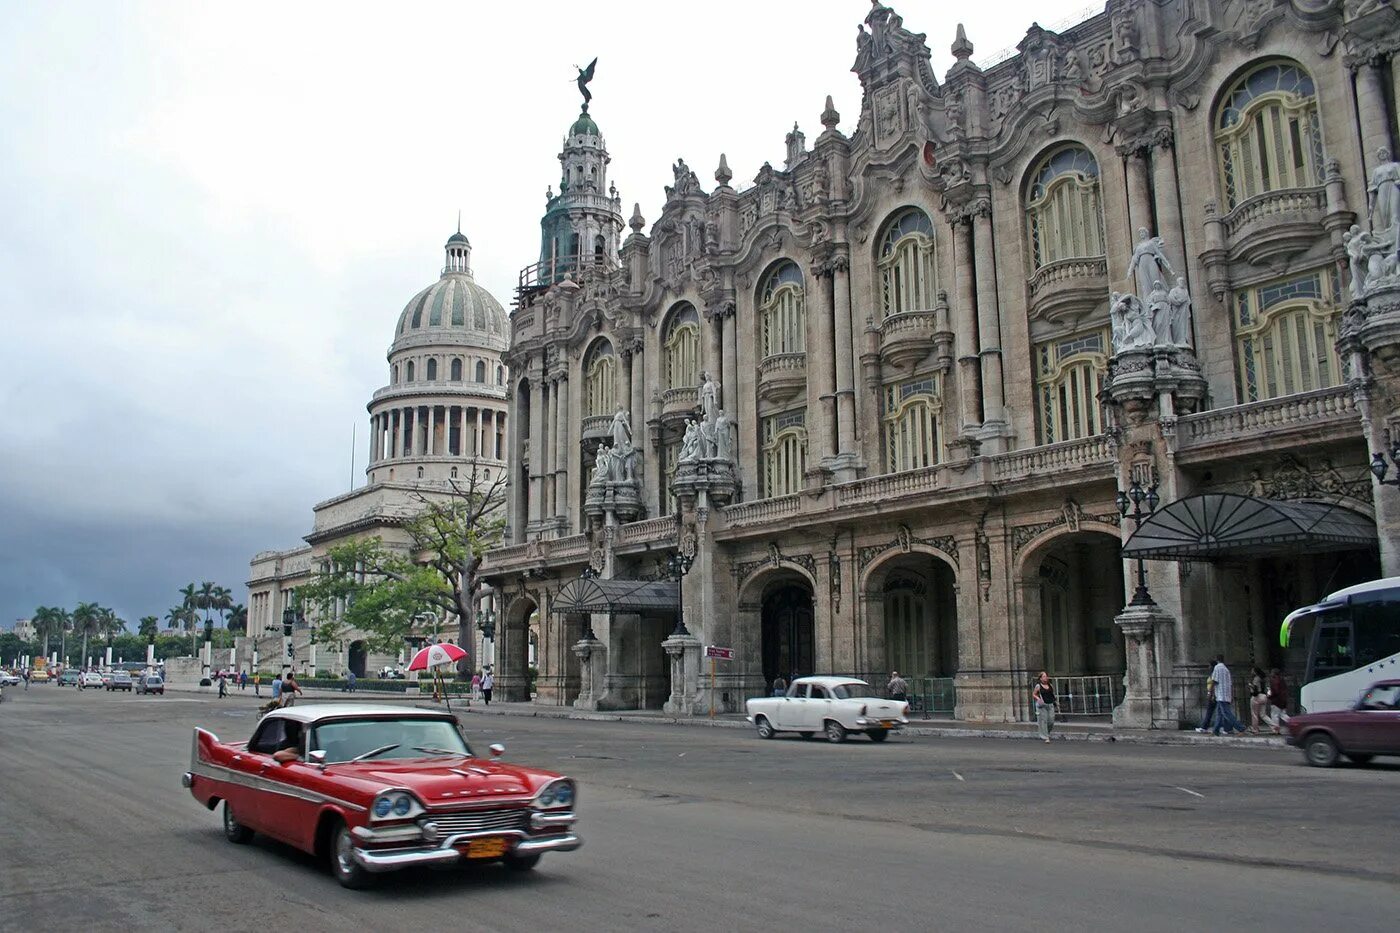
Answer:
(344, 859)
(230, 824)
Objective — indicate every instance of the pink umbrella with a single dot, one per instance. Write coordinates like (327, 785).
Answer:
(435, 656)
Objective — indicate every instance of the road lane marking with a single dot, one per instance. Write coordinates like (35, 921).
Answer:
(959, 776)
(1187, 790)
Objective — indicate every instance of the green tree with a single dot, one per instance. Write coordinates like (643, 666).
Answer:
(381, 590)
(48, 622)
(237, 619)
(148, 627)
(87, 621)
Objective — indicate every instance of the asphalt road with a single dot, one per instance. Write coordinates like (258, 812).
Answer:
(714, 829)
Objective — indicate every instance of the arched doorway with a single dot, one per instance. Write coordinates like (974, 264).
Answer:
(358, 656)
(1077, 580)
(921, 631)
(788, 632)
(508, 653)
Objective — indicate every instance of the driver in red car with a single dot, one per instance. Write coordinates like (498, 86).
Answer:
(290, 748)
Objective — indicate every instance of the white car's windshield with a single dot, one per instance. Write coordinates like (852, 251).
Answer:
(346, 739)
(853, 691)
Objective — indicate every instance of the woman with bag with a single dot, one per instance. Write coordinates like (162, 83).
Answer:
(1258, 700)
(1043, 693)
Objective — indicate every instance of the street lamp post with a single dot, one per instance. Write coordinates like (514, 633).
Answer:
(208, 646)
(1134, 499)
(289, 619)
(678, 565)
(1379, 468)
(590, 573)
(486, 625)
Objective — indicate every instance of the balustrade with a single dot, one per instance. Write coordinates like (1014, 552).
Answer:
(889, 486)
(1322, 405)
(1068, 455)
(762, 510)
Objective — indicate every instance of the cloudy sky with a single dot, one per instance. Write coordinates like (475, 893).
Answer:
(213, 213)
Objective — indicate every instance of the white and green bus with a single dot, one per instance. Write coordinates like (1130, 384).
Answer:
(1341, 645)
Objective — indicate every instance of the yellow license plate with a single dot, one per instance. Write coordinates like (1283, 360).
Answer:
(490, 847)
(888, 723)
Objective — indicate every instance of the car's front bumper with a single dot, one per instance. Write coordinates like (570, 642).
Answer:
(450, 849)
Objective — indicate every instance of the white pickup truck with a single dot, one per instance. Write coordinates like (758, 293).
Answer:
(834, 706)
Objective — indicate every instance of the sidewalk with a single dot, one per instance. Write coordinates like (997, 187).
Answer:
(937, 728)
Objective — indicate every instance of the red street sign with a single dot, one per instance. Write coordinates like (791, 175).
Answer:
(721, 654)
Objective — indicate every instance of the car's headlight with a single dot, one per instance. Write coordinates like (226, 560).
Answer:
(396, 805)
(561, 793)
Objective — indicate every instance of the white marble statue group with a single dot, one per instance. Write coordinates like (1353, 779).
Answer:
(712, 437)
(1374, 255)
(618, 463)
(1156, 316)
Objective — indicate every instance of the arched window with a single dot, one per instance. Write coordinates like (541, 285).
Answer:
(480, 370)
(500, 375)
(908, 280)
(1069, 374)
(456, 370)
(784, 453)
(420, 472)
(911, 426)
(1286, 335)
(682, 347)
(410, 370)
(600, 380)
(600, 248)
(1267, 133)
(780, 308)
(1064, 213)
(394, 375)
(432, 370)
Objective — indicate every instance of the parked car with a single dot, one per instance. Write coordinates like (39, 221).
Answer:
(89, 679)
(1371, 727)
(10, 679)
(150, 683)
(834, 706)
(121, 680)
(39, 677)
(377, 788)
(69, 678)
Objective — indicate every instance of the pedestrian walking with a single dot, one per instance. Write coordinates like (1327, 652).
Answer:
(1258, 699)
(290, 689)
(487, 682)
(1278, 699)
(780, 687)
(1043, 693)
(350, 681)
(897, 688)
(257, 681)
(1224, 699)
(476, 684)
(26, 681)
(1209, 716)
(277, 689)
(223, 685)
(243, 681)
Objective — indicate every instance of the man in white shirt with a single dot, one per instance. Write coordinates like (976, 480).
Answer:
(1224, 699)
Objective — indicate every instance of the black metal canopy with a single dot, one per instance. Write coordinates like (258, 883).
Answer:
(1230, 525)
(594, 595)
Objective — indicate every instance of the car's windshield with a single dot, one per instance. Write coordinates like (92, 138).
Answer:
(345, 739)
(853, 690)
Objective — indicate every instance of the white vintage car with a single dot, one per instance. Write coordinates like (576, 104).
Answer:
(834, 706)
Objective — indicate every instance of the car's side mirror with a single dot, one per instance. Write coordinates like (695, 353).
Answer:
(317, 757)
(497, 750)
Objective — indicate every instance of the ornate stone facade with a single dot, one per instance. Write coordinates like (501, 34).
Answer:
(921, 335)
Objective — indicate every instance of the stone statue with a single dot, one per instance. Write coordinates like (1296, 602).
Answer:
(724, 437)
(1357, 243)
(1383, 199)
(690, 444)
(1158, 312)
(584, 76)
(602, 467)
(1179, 301)
(1149, 263)
(621, 430)
(708, 443)
(709, 397)
(1131, 320)
(1115, 318)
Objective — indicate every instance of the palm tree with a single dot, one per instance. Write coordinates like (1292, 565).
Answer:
(87, 619)
(237, 619)
(46, 624)
(147, 627)
(65, 625)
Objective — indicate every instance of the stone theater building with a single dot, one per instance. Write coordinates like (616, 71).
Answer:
(894, 404)
(441, 415)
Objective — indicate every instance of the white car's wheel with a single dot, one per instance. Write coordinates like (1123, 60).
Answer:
(835, 732)
(765, 728)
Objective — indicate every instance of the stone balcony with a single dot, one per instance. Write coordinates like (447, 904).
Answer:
(1067, 287)
(782, 376)
(1055, 463)
(1275, 226)
(596, 426)
(1320, 416)
(907, 338)
(679, 403)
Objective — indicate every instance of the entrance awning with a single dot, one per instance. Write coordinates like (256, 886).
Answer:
(594, 595)
(1228, 525)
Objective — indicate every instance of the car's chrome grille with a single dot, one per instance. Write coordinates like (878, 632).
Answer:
(467, 821)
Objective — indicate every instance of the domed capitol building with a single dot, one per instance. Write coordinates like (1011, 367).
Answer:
(903, 401)
(442, 413)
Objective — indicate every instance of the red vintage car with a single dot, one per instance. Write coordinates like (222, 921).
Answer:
(378, 788)
(1371, 727)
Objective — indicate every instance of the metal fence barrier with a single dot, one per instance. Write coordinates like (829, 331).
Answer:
(1087, 694)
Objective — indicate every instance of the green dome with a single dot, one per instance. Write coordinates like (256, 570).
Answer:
(584, 126)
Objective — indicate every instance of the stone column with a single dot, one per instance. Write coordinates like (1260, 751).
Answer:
(969, 365)
(821, 372)
(430, 442)
(1164, 186)
(729, 378)
(593, 659)
(988, 317)
(684, 653)
(847, 430)
(1139, 625)
(561, 444)
(552, 433)
(624, 388)
(714, 349)
(638, 412)
(1371, 110)
(1139, 190)
(373, 450)
(537, 419)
